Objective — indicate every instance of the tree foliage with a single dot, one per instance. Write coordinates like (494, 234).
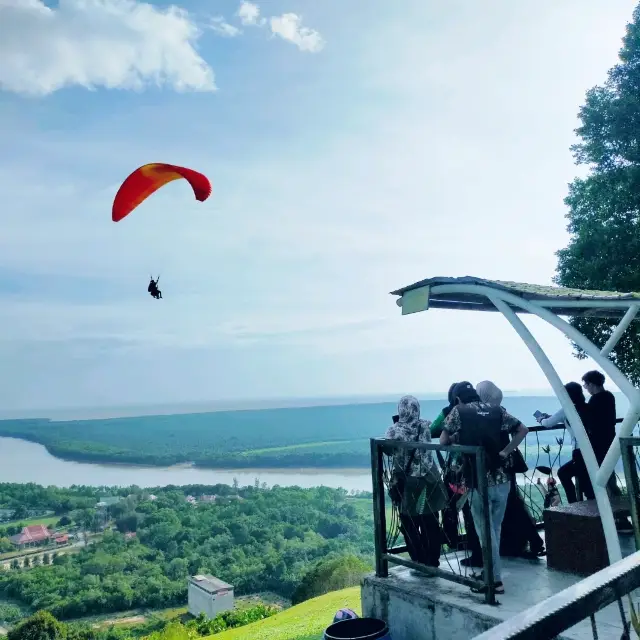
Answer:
(40, 626)
(604, 207)
(256, 540)
(331, 574)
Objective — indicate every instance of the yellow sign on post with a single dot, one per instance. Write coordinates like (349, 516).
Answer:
(415, 300)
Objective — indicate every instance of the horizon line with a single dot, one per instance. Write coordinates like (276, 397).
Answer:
(237, 404)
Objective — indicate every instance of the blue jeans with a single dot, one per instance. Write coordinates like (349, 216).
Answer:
(498, 495)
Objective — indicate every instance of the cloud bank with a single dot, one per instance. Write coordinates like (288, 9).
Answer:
(119, 44)
(116, 44)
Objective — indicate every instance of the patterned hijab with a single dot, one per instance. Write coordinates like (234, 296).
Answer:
(411, 428)
(409, 413)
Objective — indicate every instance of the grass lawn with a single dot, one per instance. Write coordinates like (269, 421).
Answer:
(306, 621)
(306, 445)
(122, 617)
(45, 520)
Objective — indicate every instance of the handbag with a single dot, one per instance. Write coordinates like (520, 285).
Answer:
(516, 462)
(397, 483)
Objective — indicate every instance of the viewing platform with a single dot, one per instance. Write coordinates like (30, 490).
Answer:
(426, 505)
(420, 607)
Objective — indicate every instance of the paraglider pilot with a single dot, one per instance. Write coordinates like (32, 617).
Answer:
(153, 288)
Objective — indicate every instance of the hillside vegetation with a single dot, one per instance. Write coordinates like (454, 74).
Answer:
(327, 436)
(255, 539)
(306, 621)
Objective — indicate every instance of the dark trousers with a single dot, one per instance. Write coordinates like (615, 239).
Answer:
(518, 528)
(575, 468)
(422, 535)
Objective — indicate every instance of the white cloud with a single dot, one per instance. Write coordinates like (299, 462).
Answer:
(109, 43)
(289, 27)
(249, 14)
(223, 28)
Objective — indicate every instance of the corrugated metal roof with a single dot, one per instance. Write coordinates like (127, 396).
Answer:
(527, 292)
(210, 583)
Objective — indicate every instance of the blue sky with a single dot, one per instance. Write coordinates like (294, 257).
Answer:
(354, 146)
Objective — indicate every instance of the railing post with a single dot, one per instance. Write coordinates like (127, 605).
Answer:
(633, 484)
(485, 540)
(379, 510)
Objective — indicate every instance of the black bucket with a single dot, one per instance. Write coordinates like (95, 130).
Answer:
(358, 629)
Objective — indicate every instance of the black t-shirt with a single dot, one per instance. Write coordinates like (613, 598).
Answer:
(602, 407)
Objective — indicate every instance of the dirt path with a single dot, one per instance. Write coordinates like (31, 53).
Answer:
(114, 621)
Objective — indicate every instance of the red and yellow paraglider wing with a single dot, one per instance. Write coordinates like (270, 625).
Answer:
(148, 179)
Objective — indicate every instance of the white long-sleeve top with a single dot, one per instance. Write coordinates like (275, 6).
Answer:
(555, 420)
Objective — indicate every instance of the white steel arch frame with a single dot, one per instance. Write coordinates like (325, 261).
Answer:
(503, 301)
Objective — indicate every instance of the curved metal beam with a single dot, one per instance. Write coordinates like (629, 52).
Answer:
(602, 475)
(602, 498)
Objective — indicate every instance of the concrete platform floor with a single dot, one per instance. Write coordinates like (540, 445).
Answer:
(527, 582)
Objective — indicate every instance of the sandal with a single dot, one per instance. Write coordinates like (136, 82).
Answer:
(498, 589)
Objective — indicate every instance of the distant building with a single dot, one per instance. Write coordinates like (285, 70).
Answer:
(207, 498)
(63, 539)
(191, 500)
(209, 595)
(31, 536)
(108, 501)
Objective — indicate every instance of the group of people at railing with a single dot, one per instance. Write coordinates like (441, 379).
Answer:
(429, 497)
(598, 417)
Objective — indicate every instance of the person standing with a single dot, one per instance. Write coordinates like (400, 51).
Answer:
(450, 524)
(474, 423)
(518, 527)
(420, 524)
(602, 433)
(602, 409)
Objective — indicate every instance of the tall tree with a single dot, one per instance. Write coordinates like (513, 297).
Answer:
(40, 626)
(604, 208)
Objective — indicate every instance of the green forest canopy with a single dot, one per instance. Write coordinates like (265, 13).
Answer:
(327, 436)
(604, 208)
(267, 540)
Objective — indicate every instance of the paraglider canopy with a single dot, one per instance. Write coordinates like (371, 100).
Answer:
(149, 178)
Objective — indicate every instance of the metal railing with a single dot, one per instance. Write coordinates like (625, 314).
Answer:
(389, 460)
(543, 460)
(631, 462)
(583, 600)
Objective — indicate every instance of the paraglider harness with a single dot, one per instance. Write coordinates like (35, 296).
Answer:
(153, 288)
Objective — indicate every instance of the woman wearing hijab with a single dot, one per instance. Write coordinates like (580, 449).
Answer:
(576, 467)
(418, 518)
(518, 528)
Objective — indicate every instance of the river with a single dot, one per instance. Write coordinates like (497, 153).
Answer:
(22, 461)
